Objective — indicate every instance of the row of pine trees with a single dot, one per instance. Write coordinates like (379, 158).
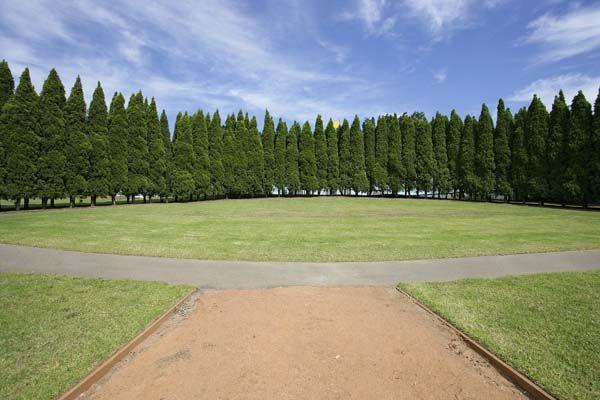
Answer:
(55, 147)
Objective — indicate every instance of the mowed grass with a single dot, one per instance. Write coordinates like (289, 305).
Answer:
(547, 325)
(307, 229)
(54, 330)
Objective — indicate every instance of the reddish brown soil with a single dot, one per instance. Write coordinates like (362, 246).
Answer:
(304, 343)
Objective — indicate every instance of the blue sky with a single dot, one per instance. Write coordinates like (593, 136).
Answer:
(299, 58)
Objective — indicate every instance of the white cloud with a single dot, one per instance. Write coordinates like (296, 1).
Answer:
(547, 88)
(372, 14)
(563, 36)
(440, 75)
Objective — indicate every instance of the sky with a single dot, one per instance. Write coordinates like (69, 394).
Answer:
(300, 58)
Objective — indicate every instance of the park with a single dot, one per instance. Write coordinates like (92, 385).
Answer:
(192, 207)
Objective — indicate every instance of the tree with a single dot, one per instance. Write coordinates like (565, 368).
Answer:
(381, 154)
(307, 164)
(51, 164)
(231, 157)
(97, 125)
(484, 154)
(536, 134)
(137, 179)
(291, 159)
(19, 132)
(519, 160)
(333, 159)
(157, 174)
(425, 163)
(215, 150)
(358, 176)
(241, 152)
(117, 146)
(409, 155)
(441, 176)
(370, 159)
(77, 144)
(201, 172)
(558, 133)
(184, 158)
(279, 174)
(256, 160)
(268, 145)
(502, 152)
(394, 167)
(453, 133)
(345, 156)
(7, 83)
(465, 163)
(321, 158)
(594, 153)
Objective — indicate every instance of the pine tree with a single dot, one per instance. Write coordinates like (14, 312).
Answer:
(558, 132)
(184, 159)
(117, 146)
(465, 163)
(19, 130)
(242, 151)
(441, 176)
(345, 156)
(502, 152)
(484, 154)
(453, 132)
(359, 182)
(157, 173)
(7, 83)
(137, 179)
(307, 164)
(333, 158)
(97, 126)
(291, 159)
(320, 154)
(268, 145)
(593, 161)
(256, 160)
(279, 174)
(519, 160)
(381, 155)
(230, 157)
(425, 163)
(409, 155)
(370, 158)
(77, 144)
(536, 134)
(394, 168)
(201, 172)
(215, 152)
(51, 164)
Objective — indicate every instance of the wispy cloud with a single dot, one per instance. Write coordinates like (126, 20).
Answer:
(374, 16)
(563, 36)
(547, 88)
(440, 75)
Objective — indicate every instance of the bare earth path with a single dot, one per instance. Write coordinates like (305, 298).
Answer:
(304, 343)
(242, 274)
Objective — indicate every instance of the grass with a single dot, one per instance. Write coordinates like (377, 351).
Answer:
(307, 229)
(54, 330)
(547, 326)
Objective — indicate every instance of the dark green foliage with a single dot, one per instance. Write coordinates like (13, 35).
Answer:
(279, 173)
(502, 151)
(230, 158)
(394, 167)
(241, 150)
(77, 144)
(7, 83)
(558, 133)
(182, 185)
(184, 159)
(484, 154)
(453, 132)
(594, 153)
(425, 163)
(137, 179)
(536, 134)
(345, 156)
(268, 145)
(256, 160)
(358, 176)
(307, 164)
(51, 164)
(465, 163)
(166, 134)
(333, 158)
(215, 153)
(409, 154)
(19, 132)
(97, 126)
(370, 160)
(519, 160)
(291, 159)
(117, 145)
(157, 154)
(201, 171)
(381, 155)
(320, 154)
(441, 176)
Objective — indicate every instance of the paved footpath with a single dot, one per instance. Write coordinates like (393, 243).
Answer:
(245, 275)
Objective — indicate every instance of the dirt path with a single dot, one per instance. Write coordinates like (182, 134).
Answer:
(304, 343)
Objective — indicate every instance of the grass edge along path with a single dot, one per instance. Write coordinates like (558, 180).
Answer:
(56, 329)
(547, 326)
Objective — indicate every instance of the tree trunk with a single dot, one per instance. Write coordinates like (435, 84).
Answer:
(127, 199)
(52, 202)
(113, 199)
(71, 201)
(44, 203)
(18, 204)
(26, 203)
(93, 201)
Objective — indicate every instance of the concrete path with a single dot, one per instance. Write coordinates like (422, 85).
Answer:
(245, 275)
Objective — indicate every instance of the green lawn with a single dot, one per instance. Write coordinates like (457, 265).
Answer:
(547, 326)
(307, 229)
(54, 330)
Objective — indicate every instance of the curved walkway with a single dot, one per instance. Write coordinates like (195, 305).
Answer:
(245, 274)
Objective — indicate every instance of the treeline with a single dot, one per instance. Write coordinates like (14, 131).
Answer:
(53, 146)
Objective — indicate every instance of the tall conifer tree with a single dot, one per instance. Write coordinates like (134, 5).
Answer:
(409, 155)
(279, 174)
(558, 133)
(536, 134)
(359, 182)
(184, 159)
(394, 166)
(345, 157)
(7, 83)
(215, 150)
(97, 127)
(381, 154)
(594, 153)
(256, 160)
(307, 165)
(291, 159)
(320, 154)
(370, 158)
(441, 176)
(465, 163)
(268, 145)
(201, 172)
(502, 152)
(425, 163)
(117, 146)
(484, 154)
(158, 157)
(453, 133)
(333, 158)
(137, 179)
(519, 159)
(231, 157)
(579, 154)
